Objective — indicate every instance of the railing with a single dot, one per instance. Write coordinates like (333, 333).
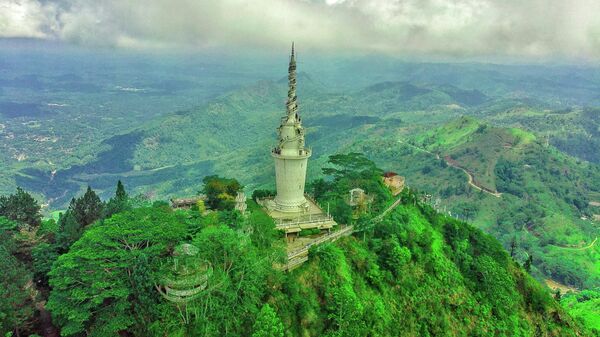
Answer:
(299, 223)
(299, 256)
(329, 237)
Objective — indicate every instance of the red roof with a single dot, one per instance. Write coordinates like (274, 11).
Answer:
(390, 174)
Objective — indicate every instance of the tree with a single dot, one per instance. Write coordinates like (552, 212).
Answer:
(238, 284)
(220, 192)
(393, 256)
(15, 289)
(342, 212)
(267, 323)
(528, 262)
(260, 194)
(87, 208)
(21, 207)
(495, 285)
(513, 246)
(43, 255)
(348, 171)
(118, 203)
(319, 188)
(94, 284)
(263, 229)
(200, 206)
(232, 218)
(7, 224)
(350, 166)
(69, 230)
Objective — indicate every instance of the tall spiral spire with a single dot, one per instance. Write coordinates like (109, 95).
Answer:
(291, 156)
(292, 105)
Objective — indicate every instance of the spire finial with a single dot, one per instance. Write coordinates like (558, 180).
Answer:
(292, 106)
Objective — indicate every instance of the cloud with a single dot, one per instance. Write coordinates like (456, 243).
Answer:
(533, 28)
(27, 18)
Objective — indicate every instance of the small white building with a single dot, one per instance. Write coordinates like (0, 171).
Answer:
(356, 195)
(240, 202)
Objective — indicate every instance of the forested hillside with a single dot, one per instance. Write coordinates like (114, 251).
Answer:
(414, 272)
(528, 195)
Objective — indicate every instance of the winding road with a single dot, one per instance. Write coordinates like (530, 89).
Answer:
(579, 248)
(471, 179)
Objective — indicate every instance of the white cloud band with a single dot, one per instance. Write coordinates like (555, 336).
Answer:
(563, 28)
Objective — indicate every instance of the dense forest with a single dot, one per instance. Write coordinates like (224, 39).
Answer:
(100, 269)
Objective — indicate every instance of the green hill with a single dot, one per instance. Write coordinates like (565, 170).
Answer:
(542, 204)
(414, 272)
(475, 146)
(413, 278)
(575, 131)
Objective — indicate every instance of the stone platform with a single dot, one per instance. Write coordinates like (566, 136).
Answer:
(313, 217)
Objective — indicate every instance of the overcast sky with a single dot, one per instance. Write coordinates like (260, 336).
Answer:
(454, 28)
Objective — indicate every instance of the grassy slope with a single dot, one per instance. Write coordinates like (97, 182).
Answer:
(475, 146)
(543, 222)
(351, 288)
(584, 306)
(575, 131)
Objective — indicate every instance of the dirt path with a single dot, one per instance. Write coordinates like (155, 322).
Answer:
(48, 329)
(579, 248)
(557, 285)
(470, 178)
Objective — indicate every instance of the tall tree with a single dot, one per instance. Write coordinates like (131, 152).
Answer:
(15, 288)
(21, 207)
(351, 166)
(69, 229)
(96, 285)
(239, 280)
(267, 323)
(220, 192)
(118, 203)
(528, 262)
(87, 208)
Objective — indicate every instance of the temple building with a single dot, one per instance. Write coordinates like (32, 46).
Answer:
(291, 209)
(290, 154)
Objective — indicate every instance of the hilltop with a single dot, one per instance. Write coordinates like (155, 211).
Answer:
(412, 272)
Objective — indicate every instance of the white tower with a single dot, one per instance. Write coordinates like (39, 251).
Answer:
(290, 154)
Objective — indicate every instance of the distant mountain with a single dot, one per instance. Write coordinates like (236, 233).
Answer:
(575, 131)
